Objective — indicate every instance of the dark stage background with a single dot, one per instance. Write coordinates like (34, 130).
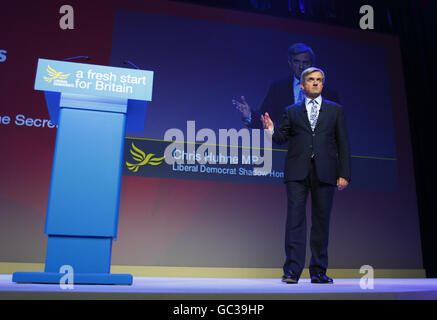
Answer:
(171, 220)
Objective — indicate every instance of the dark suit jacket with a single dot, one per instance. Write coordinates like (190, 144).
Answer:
(329, 142)
(280, 96)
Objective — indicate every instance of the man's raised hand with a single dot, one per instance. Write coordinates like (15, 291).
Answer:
(267, 122)
(242, 106)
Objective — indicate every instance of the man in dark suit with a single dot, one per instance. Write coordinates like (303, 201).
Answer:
(318, 159)
(284, 92)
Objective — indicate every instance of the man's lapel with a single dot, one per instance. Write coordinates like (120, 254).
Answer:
(322, 114)
(304, 114)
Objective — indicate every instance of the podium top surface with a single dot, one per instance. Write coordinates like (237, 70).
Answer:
(94, 80)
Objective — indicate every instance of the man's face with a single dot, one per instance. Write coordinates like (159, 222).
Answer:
(313, 84)
(299, 62)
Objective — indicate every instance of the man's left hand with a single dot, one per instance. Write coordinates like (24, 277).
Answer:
(342, 183)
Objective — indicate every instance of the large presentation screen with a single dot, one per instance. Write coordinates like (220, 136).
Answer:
(212, 206)
(205, 64)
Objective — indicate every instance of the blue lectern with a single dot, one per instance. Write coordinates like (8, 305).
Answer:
(93, 107)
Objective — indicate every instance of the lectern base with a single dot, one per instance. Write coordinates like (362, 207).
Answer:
(78, 278)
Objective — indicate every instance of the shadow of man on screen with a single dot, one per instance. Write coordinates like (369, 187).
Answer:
(284, 92)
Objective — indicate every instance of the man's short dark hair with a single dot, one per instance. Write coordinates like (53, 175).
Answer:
(298, 48)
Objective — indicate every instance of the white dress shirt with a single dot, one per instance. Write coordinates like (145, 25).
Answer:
(296, 89)
(308, 106)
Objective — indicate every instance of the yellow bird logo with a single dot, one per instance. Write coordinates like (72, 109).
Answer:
(142, 158)
(54, 75)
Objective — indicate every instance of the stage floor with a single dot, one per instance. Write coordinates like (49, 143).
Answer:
(225, 288)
